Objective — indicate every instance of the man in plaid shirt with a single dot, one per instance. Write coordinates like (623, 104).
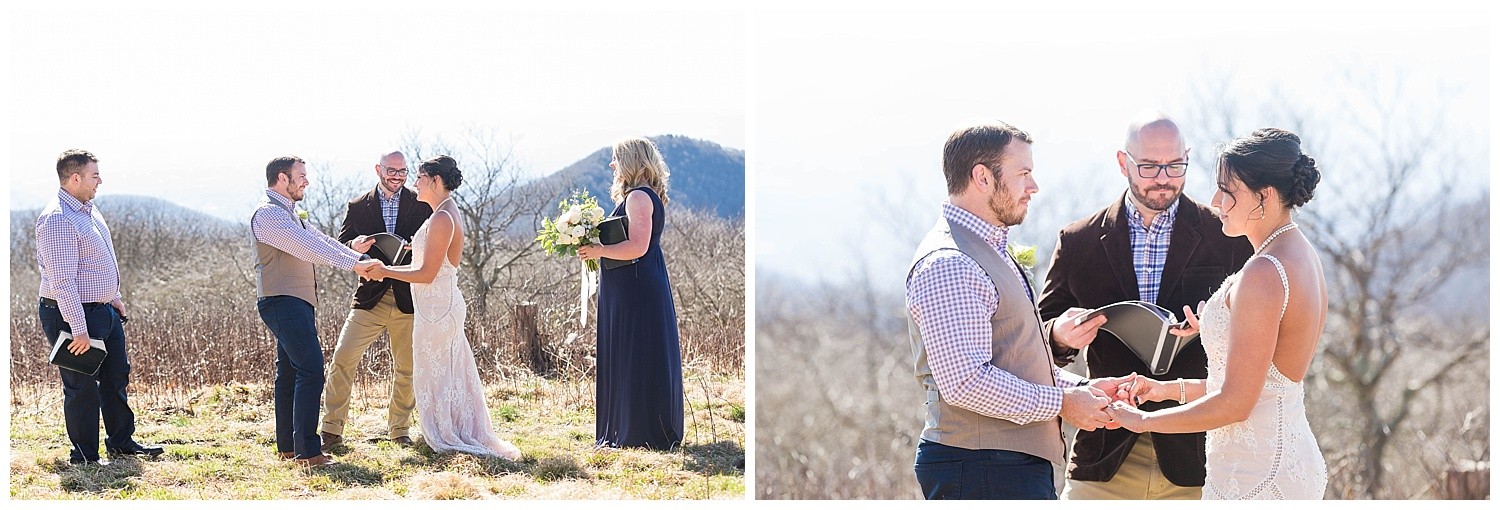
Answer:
(80, 293)
(286, 250)
(995, 402)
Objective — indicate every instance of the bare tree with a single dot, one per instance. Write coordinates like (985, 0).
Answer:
(499, 208)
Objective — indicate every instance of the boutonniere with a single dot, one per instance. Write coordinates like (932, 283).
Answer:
(1025, 255)
(302, 215)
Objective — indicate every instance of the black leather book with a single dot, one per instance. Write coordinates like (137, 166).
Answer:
(391, 249)
(614, 230)
(86, 363)
(1143, 327)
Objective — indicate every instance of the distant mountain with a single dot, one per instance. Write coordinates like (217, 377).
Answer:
(704, 175)
(156, 211)
(131, 213)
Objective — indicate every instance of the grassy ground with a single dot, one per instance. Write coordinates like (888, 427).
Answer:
(219, 445)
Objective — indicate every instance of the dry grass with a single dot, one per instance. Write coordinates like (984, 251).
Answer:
(219, 443)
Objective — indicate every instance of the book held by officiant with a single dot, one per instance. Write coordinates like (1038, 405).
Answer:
(1144, 328)
(391, 249)
(86, 363)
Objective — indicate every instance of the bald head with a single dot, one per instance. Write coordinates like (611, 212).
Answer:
(392, 171)
(1154, 130)
(1154, 141)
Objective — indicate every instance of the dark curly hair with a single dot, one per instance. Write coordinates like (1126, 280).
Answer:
(1271, 158)
(444, 168)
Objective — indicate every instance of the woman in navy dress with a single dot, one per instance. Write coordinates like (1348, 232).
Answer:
(638, 400)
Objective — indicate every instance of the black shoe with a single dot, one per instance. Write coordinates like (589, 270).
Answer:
(149, 451)
(403, 441)
(330, 439)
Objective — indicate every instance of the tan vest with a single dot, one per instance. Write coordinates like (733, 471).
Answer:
(277, 273)
(1017, 347)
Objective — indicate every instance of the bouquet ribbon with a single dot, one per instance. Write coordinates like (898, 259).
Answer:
(586, 279)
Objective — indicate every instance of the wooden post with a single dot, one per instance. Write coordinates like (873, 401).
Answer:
(528, 338)
(1471, 480)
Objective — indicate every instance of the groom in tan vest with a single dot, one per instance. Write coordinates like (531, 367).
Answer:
(994, 398)
(286, 249)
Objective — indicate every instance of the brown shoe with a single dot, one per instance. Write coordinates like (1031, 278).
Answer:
(317, 461)
(286, 455)
(331, 439)
(403, 441)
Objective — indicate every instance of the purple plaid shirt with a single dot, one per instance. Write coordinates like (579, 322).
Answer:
(273, 225)
(76, 258)
(389, 207)
(952, 300)
(1149, 247)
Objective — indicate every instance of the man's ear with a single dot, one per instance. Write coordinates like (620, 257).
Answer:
(1120, 157)
(980, 175)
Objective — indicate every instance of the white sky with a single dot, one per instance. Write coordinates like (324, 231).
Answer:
(190, 105)
(853, 107)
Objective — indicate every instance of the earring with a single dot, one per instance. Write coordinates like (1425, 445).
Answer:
(1262, 209)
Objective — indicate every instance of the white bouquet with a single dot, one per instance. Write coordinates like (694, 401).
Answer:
(576, 226)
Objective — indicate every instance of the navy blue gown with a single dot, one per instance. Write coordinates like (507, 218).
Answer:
(639, 394)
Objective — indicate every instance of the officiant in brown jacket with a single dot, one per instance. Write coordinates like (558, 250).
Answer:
(1154, 244)
(379, 306)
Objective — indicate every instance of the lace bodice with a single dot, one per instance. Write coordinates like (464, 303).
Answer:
(1273, 454)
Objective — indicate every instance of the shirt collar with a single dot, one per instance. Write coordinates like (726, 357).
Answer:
(1163, 219)
(995, 235)
(288, 202)
(380, 191)
(72, 202)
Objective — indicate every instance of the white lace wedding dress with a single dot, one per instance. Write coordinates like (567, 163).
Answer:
(450, 398)
(1272, 455)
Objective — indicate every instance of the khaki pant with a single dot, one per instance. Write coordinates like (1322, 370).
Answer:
(360, 330)
(1138, 478)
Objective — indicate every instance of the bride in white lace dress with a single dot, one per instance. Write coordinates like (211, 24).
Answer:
(450, 398)
(1260, 330)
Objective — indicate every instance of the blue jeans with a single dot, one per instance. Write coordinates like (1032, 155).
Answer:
(299, 373)
(947, 472)
(85, 396)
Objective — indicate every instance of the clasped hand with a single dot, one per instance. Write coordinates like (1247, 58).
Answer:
(371, 269)
(1107, 402)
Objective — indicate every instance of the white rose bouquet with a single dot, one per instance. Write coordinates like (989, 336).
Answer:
(576, 226)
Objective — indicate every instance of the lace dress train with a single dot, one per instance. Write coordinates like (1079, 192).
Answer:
(450, 398)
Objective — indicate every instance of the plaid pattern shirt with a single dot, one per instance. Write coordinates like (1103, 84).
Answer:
(274, 226)
(952, 299)
(1149, 247)
(388, 208)
(76, 258)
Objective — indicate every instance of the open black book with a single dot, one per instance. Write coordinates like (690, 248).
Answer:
(86, 363)
(391, 249)
(614, 230)
(1143, 327)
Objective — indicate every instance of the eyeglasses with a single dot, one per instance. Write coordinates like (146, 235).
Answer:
(1151, 170)
(393, 172)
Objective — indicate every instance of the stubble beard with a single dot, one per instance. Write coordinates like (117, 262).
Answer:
(1143, 197)
(1009, 211)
